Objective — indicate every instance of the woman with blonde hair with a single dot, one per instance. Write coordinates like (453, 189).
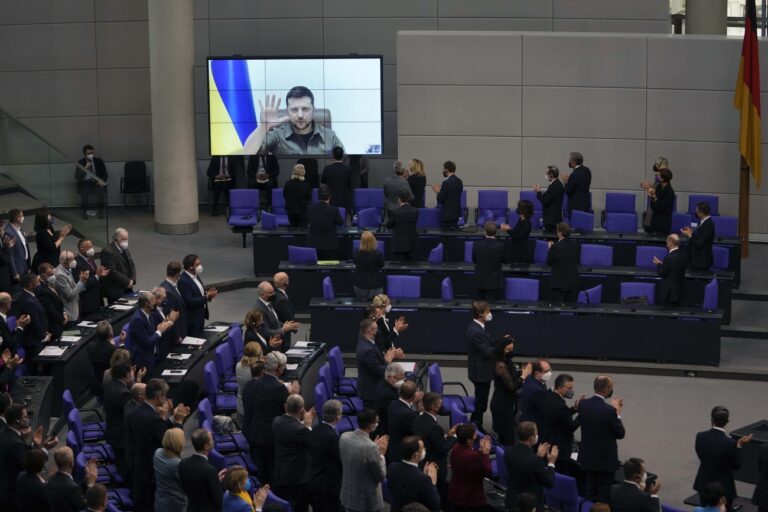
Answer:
(367, 280)
(238, 488)
(169, 495)
(248, 369)
(298, 195)
(417, 181)
(388, 335)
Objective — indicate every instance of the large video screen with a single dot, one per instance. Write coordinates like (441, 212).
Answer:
(295, 106)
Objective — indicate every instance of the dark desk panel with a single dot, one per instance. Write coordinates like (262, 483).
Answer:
(619, 332)
(749, 472)
(35, 393)
(307, 370)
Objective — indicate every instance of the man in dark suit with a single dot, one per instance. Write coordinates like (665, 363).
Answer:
(91, 299)
(551, 200)
(534, 387)
(199, 479)
(145, 427)
(323, 219)
(557, 421)
(325, 484)
(266, 304)
(64, 493)
(528, 473)
(196, 297)
(144, 333)
(402, 221)
(122, 271)
(387, 392)
(52, 304)
(158, 316)
(283, 305)
(396, 186)
(700, 241)
(480, 363)
(26, 304)
(577, 184)
(293, 468)
(10, 340)
(488, 255)
(21, 258)
(117, 393)
(337, 176)
(601, 426)
(371, 363)
(222, 177)
(633, 494)
(7, 272)
(437, 441)
(174, 301)
(563, 257)
(30, 488)
(449, 196)
(760, 497)
(87, 185)
(719, 455)
(400, 415)
(408, 483)
(672, 269)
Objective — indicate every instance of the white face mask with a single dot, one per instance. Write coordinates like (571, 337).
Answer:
(423, 455)
(546, 376)
(399, 383)
(536, 439)
(488, 316)
(90, 252)
(388, 308)
(73, 264)
(51, 279)
(375, 427)
(546, 178)
(199, 269)
(124, 245)
(89, 157)
(21, 221)
(644, 480)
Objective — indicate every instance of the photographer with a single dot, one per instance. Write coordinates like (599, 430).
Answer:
(638, 492)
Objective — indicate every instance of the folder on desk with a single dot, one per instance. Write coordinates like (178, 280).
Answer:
(121, 307)
(189, 340)
(173, 373)
(217, 328)
(69, 339)
(179, 357)
(52, 351)
(87, 324)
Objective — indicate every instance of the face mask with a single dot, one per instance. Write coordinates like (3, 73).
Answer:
(90, 252)
(50, 279)
(569, 394)
(546, 177)
(21, 220)
(89, 157)
(423, 455)
(124, 245)
(609, 395)
(24, 423)
(271, 298)
(545, 377)
(375, 427)
(199, 269)
(50, 221)
(248, 485)
(488, 316)
(388, 308)
(399, 383)
(536, 439)
(73, 264)
(644, 480)
(445, 174)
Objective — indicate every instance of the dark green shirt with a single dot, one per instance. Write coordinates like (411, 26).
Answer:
(283, 141)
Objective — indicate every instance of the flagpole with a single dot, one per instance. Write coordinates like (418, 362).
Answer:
(744, 208)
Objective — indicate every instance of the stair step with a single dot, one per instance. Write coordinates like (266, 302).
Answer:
(20, 200)
(755, 333)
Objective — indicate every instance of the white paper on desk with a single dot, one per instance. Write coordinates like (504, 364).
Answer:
(189, 340)
(172, 373)
(298, 352)
(86, 323)
(179, 357)
(302, 344)
(217, 328)
(121, 307)
(408, 366)
(52, 351)
(132, 302)
(291, 366)
(575, 456)
(69, 339)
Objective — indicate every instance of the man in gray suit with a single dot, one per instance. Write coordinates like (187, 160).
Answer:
(364, 467)
(66, 287)
(396, 185)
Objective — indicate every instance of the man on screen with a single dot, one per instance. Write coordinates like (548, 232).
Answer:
(294, 134)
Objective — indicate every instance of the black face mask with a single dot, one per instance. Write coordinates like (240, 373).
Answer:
(445, 174)
(271, 298)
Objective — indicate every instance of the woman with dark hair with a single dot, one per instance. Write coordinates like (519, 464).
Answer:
(507, 380)
(521, 253)
(525, 503)
(469, 467)
(48, 240)
(661, 204)
(31, 492)
(254, 322)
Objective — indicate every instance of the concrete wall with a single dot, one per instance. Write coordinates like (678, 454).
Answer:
(620, 100)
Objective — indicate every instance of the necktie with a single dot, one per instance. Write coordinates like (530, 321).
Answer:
(224, 166)
(91, 264)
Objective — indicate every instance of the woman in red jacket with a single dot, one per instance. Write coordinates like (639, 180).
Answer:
(469, 467)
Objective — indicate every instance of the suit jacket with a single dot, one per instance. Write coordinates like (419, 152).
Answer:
(530, 399)
(449, 198)
(600, 428)
(368, 267)
(174, 301)
(145, 430)
(386, 337)
(285, 312)
(402, 221)
(65, 494)
(700, 245)
(98, 168)
(90, 299)
(338, 177)
(263, 401)
(394, 187)
(577, 189)
(200, 481)
(400, 419)
(556, 423)
(8, 339)
(663, 207)
(292, 463)
(417, 185)
(409, 484)
(196, 303)
(326, 460)
(31, 494)
(235, 168)
(272, 325)
(298, 196)
(6, 268)
(521, 250)
(26, 304)
(116, 395)
(718, 459)
(527, 473)
(47, 252)
(364, 470)
(479, 353)
(563, 257)
(122, 270)
(437, 446)
(488, 255)
(12, 450)
(143, 339)
(54, 309)
(552, 203)
(760, 497)
(672, 269)
(167, 339)
(323, 219)
(385, 394)
(370, 369)
(21, 257)
(69, 291)
(627, 497)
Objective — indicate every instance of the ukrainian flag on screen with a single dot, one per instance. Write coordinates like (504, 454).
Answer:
(232, 113)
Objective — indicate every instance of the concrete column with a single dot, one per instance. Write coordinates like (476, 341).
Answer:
(706, 16)
(171, 58)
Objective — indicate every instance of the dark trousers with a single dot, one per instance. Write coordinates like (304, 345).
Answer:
(89, 189)
(196, 331)
(482, 390)
(599, 486)
(297, 220)
(143, 494)
(296, 495)
(264, 457)
(564, 296)
(328, 254)
(325, 503)
(218, 187)
(402, 256)
(489, 295)
(550, 228)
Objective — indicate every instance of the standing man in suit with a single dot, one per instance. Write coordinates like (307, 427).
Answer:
(577, 184)
(402, 221)
(11, 340)
(534, 387)
(437, 441)
(174, 301)
(7, 272)
(117, 393)
(601, 427)
(26, 304)
(283, 305)
(145, 427)
(371, 362)
(364, 467)
(528, 473)
(323, 219)
(449, 196)
(158, 316)
(21, 259)
(552, 199)
(557, 421)
(199, 479)
(63, 492)
(700, 241)
(91, 299)
(387, 392)
(395, 186)
(196, 297)
(400, 415)
(633, 494)
(408, 483)
(272, 325)
(222, 177)
(87, 185)
(48, 296)
(719, 455)
(488, 255)
(122, 271)
(145, 333)
(293, 468)
(760, 497)
(68, 289)
(563, 257)
(337, 176)
(325, 484)
(480, 362)
(672, 270)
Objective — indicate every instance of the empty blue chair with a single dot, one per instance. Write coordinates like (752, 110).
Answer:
(721, 257)
(583, 221)
(436, 254)
(235, 335)
(591, 295)
(346, 386)
(491, 205)
(429, 218)
(225, 443)
(328, 291)
(221, 461)
(468, 246)
(596, 255)
(726, 227)
(350, 404)
(619, 202)
(464, 403)
(501, 467)
(644, 255)
(695, 199)
(710, 295)
(68, 403)
(446, 289)
(88, 444)
(667, 508)
(540, 250)
(379, 245)
(563, 496)
(368, 218)
(621, 222)
(679, 221)
(518, 288)
(647, 290)
(298, 254)
(222, 403)
(365, 198)
(278, 207)
(243, 207)
(225, 365)
(530, 195)
(107, 473)
(268, 221)
(404, 287)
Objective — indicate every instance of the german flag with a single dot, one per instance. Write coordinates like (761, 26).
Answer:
(747, 97)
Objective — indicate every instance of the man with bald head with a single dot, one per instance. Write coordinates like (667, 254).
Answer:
(283, 305)
(272, 326)
(90, 299)
(67, 287)
(63, 492)
(672, 270)
(122, 271)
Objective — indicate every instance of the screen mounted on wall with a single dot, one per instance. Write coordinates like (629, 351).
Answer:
(295, 106)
